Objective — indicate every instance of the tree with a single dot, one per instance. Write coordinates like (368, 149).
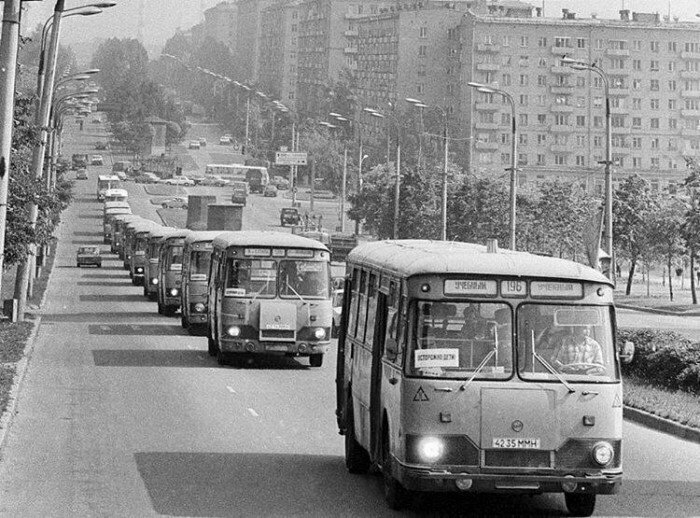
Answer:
(632, 204)
(664, 233)
(690, 229)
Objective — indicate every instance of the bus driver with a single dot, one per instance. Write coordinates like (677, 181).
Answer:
(578, 349)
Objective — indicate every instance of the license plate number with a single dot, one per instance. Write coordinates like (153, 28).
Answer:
(509, 443)
(277, 348)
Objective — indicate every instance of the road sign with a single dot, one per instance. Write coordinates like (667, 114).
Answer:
(290, 158)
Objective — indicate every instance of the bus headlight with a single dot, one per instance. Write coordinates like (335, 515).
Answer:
(603, 453)
(430, 449)
(154, 280)
(139, 269)
(234, 331)
(174, 292)
(319, 333)
(199, 307)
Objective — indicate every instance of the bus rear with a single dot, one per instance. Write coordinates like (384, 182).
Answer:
(481, 372)
(270, 294)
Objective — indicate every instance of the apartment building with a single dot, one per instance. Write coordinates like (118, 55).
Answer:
(326, 44)
(220, 24)
(278, 51)
(653, 66)
(249, 29)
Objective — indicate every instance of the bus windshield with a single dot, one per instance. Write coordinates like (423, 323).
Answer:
(199, 264)
(259, 277)
(462, 339)
(173, 258)
(575, 342)
(304, 279)
(251, 277)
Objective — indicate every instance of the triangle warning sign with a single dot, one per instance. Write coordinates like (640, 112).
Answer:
(420, 395)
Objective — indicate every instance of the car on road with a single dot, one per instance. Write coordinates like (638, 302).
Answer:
(225, 141)
(202, 142)
(96, 120)
(289, 216)
(280, 182)
(175, 203)
(270, 191)
(81, 174)
(194, 144)
(215, 181)
(96, 160)
(88, 255)
(179, 180)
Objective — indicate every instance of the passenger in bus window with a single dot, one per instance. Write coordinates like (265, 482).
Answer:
(474, 326)
(578, 348)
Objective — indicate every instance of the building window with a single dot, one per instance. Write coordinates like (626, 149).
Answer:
(422, 50)
(524, 61)
(522, 158)
(636, 103)
(524, 41)
(523, 119)
(672, 46)
(654, 123)
(655, 143)
(636, 122)
(580, 160)
(672, 85)
(541, 80)
(580, 140)
(581, 43)
(654, 65)
(597, 141)
(597, 82)
(654, 104)
(637, 84)
(636, 142)
(505, 158)
(505, 119)
(672, 123)
(560, 159)
(542, 42)
(523, 139)
(654, 162)
(597, 121)
(524, 80)
(523, 99)
(541, 159)
(637, 45)
(654, 46)
(654, 85)
(506, 79)
(541, 138)
(617, 64)
(672, 104)
(423, 32)
(580, 120)
(671, 66)
(636, 64)
(506, 41)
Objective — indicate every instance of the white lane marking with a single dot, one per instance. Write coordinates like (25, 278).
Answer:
(253, 412)
(230, 389)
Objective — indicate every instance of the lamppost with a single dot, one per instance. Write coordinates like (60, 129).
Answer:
(343, 184)
(420, 105)
(593, 67)
(513, 151)
(443, 209)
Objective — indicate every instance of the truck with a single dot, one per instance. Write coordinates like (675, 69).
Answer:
(257, 178)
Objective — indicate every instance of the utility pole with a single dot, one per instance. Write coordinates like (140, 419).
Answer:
(9, 43)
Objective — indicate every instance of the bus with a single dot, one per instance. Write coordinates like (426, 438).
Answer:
(104, 182)
(115, 194)
(139, 263)
(150, 274)
(110, 210)
(241, 173)
(118, 226)
(196, 255)
(269, 293)
(465, 368)
(131, 228)
(257, 178)
(170, 271)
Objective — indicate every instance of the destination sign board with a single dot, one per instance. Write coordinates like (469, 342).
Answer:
(290, 158)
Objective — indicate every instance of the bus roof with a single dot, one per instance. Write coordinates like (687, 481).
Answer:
(108, 178)
(266, 238)
(117, 204)
(116, 192)
(176, 233)
(140, 224)
(196, 236)
(415, 257)
(160, 231)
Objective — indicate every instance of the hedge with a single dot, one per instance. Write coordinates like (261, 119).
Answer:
(663, 358)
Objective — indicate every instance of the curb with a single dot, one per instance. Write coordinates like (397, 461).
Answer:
(660, 424)
(657, 311)
(18, 379)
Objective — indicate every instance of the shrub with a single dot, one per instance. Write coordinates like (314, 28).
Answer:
(663, 358)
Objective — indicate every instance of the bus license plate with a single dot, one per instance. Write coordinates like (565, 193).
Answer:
(508, 443)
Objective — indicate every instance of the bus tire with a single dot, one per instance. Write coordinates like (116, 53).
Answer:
(183, 322)
(168, 311)
(160, 308)
(211, 343)
(356, 457)
(316, 360)
(145, 290)
(395, 494)
(221, 357)
(580, 504)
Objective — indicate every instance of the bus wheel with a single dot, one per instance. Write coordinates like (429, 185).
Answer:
(211, 343)
(221, 357)
(160, 308)
(145, 290)
(316, 360)
(356, 457)
(183, 321)
(394, 493)
(580, 504)
(168, 311)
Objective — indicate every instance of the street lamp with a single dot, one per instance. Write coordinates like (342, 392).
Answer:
(513, 151)
(343, 184)
(417, 103)
(593, 67)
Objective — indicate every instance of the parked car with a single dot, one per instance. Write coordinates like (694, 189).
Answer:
(179, 180)
(211, 180)
(88, 255)
(194, 144)
(202, 142)
(225, 141)
(96, 120)
(142, 178)
(101, 146)
(280, 182)
(289, 216)
(270, 191)
(175, 203)
(96, 160)
(81, 174)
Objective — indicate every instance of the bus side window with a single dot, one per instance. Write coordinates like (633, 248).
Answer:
(372, 292)
(362, 307)
(352, 312)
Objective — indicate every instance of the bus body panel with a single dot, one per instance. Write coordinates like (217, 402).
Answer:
(195, 280)
(105, 182)
(170, 270)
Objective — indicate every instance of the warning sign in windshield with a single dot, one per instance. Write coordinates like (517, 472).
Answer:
(436, 358)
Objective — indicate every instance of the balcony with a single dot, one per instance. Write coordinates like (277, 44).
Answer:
(690, 132)
(690, 94)
(562, 51)
(690, 113)
(487, 107)
(487, 47)
(488, 67)
(486, 146)
(619, 110)
(560, 148)
(618, 53)
(562, 89)
(561, 70)
(486, 126)
(690, 74)
(561, 108)
(620, 91)
(690, 55)
(351, 33)
(350, 50)
(560, 128)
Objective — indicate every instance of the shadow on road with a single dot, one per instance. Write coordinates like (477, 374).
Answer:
(250, 484)
(152, 358)
(135, 330)
(111, 298)
(87, 234)
(97, 317)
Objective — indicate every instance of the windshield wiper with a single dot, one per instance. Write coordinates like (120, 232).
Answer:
(547, 366)
(295, 293)
(478, 369)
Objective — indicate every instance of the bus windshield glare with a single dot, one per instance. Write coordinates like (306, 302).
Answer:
(574, 342)
(459, 339)
(259, 277)
(199, 264)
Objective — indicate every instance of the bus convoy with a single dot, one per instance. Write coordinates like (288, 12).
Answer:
(460, 367)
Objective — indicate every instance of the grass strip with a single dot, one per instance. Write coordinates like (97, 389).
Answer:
(13, 339)
(7, 375)
(678, 406)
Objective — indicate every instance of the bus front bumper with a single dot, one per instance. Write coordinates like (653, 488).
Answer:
(255, 346)
(493, 481)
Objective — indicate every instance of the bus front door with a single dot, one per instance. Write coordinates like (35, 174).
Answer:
(376, 377)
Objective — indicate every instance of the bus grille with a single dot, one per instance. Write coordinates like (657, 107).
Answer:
(277, 334)
(517, 458)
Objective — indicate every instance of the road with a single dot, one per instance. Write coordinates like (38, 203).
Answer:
(123, 414)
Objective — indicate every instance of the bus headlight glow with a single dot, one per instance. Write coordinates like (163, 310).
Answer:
(430, 449)
(174, 292)
(320, 333)
(234, 331)
(603, 453)
(154, 280)
(139, 269)
(199, 307)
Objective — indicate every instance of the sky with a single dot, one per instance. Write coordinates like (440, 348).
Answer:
(163, 17)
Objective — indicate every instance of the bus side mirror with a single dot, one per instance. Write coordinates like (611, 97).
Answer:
(627, 353)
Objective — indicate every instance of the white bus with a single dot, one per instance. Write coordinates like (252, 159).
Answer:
(257, 176)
